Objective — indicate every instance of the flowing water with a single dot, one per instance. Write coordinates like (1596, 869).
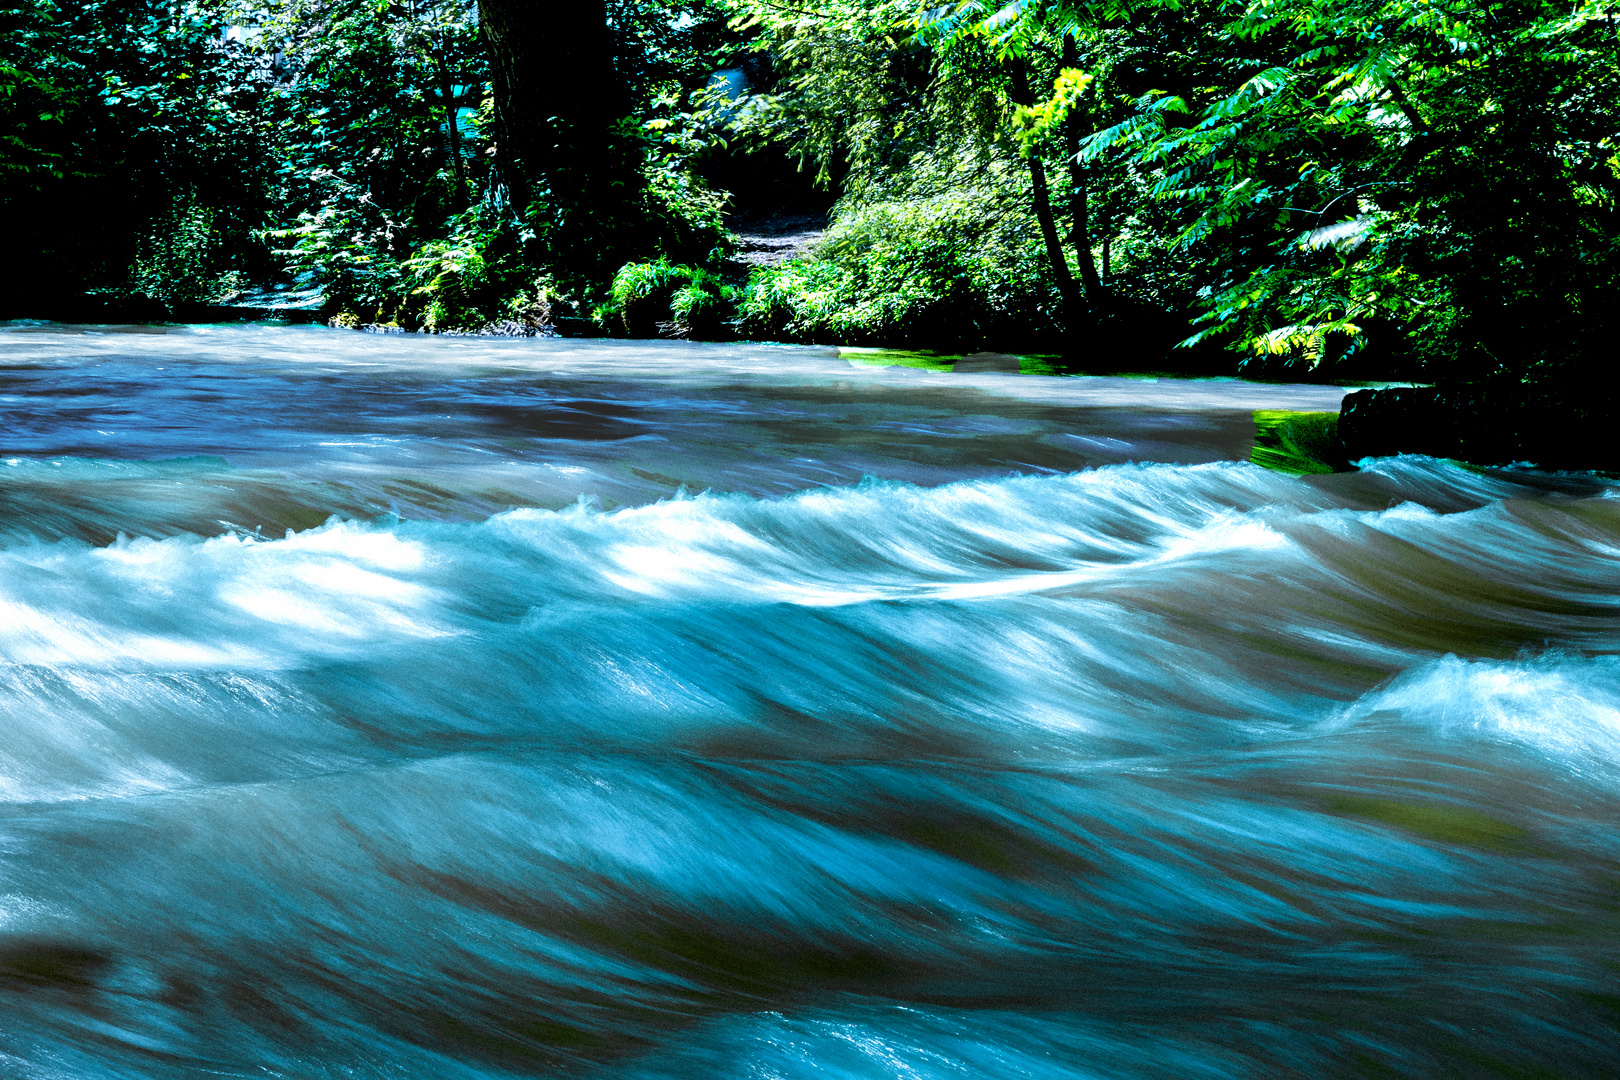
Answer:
(375, 707)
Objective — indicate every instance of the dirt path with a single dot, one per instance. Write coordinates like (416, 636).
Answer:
(774, 240)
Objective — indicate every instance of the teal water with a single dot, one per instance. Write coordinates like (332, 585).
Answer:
(382, 708)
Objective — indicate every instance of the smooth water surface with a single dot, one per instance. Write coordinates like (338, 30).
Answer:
(383, 707)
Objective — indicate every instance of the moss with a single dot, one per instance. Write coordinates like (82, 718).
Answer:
(1036, 364)
(898, 358)
(1300, 443)
(1043, 364)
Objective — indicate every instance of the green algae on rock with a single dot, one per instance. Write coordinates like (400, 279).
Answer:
(1301, 443)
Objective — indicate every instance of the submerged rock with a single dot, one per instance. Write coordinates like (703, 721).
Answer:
(1005, 363)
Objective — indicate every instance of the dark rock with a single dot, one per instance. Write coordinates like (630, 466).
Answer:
(1482, 424)
(573, 327)
(1402, 420)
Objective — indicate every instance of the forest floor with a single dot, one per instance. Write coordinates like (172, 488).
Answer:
(771, 241)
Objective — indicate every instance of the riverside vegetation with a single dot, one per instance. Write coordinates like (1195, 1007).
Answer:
(1421, 190)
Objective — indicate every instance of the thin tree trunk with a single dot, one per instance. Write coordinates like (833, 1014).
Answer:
(1079, 211)
(447, 94)
(1402, 102)
(1043, 208)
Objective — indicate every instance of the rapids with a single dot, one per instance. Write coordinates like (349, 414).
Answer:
(381, 707)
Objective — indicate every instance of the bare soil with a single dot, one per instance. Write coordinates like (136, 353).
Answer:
(772, 241)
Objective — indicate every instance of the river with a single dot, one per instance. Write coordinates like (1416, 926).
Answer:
(393, 707)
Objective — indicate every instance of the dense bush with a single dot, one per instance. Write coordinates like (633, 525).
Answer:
(395, 210)
(174, 152)
(132, 152)
(1349, 188)
(181, 261)
(656, 297)
(935, 273)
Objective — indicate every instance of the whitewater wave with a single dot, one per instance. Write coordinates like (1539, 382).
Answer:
(1197, 769)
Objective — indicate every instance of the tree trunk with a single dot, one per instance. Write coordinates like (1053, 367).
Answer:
(556, 90)
(1043, 208)
(1079, 211)
(520, 129)
(557, 95)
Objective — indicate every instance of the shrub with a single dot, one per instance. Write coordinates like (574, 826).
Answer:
(935, 272)
(690, 301)
(347, 246)
(640, 295)
(450, 281)
(181, 260)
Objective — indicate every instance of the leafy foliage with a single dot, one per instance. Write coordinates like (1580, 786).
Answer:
(950, 269)
(1424, 177)
(120, 118)
(342, 144)
(1406, 186)
(1321, 187)
(378, 140)
(688, 299)
(178, 261)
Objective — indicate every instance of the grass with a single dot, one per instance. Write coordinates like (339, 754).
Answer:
(1043, 364)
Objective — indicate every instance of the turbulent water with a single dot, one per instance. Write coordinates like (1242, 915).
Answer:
(382, 708)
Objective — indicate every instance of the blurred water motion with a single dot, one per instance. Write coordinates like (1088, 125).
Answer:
(1012, 759)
